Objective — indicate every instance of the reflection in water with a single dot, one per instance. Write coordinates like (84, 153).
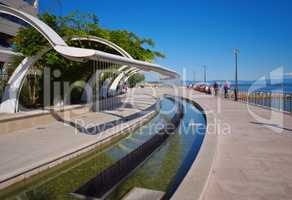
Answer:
(156, 173)
(144, 133)
(165, 169)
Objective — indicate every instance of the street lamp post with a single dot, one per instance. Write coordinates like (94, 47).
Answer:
(205, 73)
(236, 52)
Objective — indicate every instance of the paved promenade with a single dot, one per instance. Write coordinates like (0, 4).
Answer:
(254, 159)
(25, 149)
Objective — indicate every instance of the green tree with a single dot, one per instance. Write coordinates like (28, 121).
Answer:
(135, 79)
(29, 42)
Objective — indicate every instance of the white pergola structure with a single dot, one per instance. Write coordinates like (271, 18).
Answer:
(11, 96)
(10, 102)
(111, 86)
(131, 74)
(7, 55)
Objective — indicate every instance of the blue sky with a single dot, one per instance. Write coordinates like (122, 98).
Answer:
(193, 33)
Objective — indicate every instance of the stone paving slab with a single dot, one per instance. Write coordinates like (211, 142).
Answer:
(254, 159)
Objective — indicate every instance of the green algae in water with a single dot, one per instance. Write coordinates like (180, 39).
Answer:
(158, 172)
(60, 183)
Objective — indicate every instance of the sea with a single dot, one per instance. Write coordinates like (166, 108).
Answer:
(271, 86)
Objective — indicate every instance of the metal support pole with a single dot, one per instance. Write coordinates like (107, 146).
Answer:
(236, 51)
(95, 88)
(284, 102)
(290, 103)
(205, 73)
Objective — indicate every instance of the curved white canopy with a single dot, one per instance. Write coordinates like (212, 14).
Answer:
(130, 75)
(79, 53)
(14, 85)
(102, 41)
(113, 87)
(7, 54)
(12, 90)
(87, 94)
(53, 38)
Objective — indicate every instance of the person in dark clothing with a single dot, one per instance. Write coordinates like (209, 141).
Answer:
(216, 87)
(226, 88)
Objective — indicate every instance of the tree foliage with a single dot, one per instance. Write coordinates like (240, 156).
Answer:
(135, 79)
(29, 42)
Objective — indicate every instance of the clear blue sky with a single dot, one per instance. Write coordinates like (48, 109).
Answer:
(193, 33)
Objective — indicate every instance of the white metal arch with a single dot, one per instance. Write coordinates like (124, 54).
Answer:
(103, 41)
(113, 87)
(87, 94)
(127, 76)
(12, 90)
(80, 53)
(104, 88)
(72, 53)
(53, 38)
(7, 55)
(10, 100)
(130, 75)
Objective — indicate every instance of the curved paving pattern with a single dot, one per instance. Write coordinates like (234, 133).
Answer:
(252, 161)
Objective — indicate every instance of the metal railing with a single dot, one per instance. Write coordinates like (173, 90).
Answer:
(272, 100)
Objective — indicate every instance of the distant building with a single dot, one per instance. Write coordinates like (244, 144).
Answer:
(9, 26)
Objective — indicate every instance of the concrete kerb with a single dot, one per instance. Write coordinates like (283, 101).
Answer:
(196, 180)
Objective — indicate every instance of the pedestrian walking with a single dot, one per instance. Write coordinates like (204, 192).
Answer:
(216, 87)
(226, 88)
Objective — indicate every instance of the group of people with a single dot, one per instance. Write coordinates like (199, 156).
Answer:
(122, 88)
(226, 87)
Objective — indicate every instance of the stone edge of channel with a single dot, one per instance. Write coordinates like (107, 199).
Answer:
(196, 180)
